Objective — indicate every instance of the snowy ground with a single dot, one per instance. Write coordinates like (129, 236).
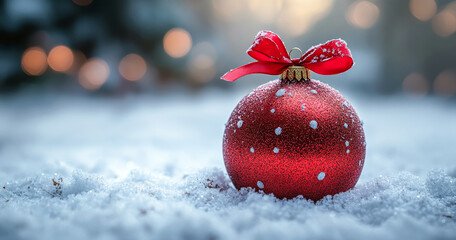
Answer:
(151, 167)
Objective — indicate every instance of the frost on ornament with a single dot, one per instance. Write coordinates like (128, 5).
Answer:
(281, 92)
(278, 131)
(313, 124)
(239, 124)
(276, 150)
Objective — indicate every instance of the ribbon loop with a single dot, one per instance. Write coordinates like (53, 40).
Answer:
(332, 57)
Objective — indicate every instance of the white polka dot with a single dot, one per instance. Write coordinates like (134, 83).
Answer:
(276, 150)
(347, 143)
(321, 176)
(239, 123)
(348, 151)
(345, 104)
(313, 91)
(278, 131)
(281, 92)
(260, 184)
(252, 150)
(313, 124)
(303, 107)
(273, 110)
(345, 125)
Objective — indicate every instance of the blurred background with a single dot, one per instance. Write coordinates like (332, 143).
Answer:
(117, 47)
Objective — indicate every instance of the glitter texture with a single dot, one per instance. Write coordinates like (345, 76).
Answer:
(304, 152)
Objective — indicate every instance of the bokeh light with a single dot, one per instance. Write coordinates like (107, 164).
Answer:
(82, 2)
(298, 16)
(177, 42)
(226, 10)
(132, 67)
(416, 84)
(444, 23)
(445, 84)
(265, 11)
(423, 10)
(60, 58)
(34, 61)
(202, 68)
(362, 14)
(93, 74)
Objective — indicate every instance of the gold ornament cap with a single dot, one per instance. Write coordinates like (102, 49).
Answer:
(295, 73)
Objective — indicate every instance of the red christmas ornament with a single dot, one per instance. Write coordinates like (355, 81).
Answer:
(294, 136)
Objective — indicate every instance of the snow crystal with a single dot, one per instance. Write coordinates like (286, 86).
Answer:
(360, 163)
(348, 151)
(313, 124)
(281, 92)
(278, 131)
(260, 184)
(239, 123)
(303, 107)
(321, 176)
(346, 143)
(276, 150)
(313, 91)
(252, 150)
(345, 125)
(289, 94)
(345, 103)
(273, 110)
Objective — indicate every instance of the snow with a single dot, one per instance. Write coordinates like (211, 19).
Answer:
(252, 150)
(273, 110)
(239, 123)
(281, 92)
(313, 124)
(260, 184)
(345, 125)
(313, 91)
(276, 150)
(347, 143)
(321, 176)
(278, 131)
(150, 167)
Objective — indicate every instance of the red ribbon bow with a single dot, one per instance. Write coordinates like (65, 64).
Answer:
(332, 57)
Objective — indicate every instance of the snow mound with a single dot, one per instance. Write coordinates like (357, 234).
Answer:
(205, 205)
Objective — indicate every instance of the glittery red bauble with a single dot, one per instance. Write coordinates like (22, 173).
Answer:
(294, 138)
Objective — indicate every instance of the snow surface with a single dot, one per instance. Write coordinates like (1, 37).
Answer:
(151, 167)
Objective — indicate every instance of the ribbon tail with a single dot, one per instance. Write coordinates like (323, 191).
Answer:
(255, 67)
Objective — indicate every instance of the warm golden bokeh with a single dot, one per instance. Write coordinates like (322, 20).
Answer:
(445, 83)
(423, 10)
(132, 67)
(202, 68)
(93, 74)
(227, 10)
(444, 23)
(60, 58)
(82, 2)
(298, 16)
(266, 11)
(177, 42)
(362, 14)
(34, 61)
(416, 84)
